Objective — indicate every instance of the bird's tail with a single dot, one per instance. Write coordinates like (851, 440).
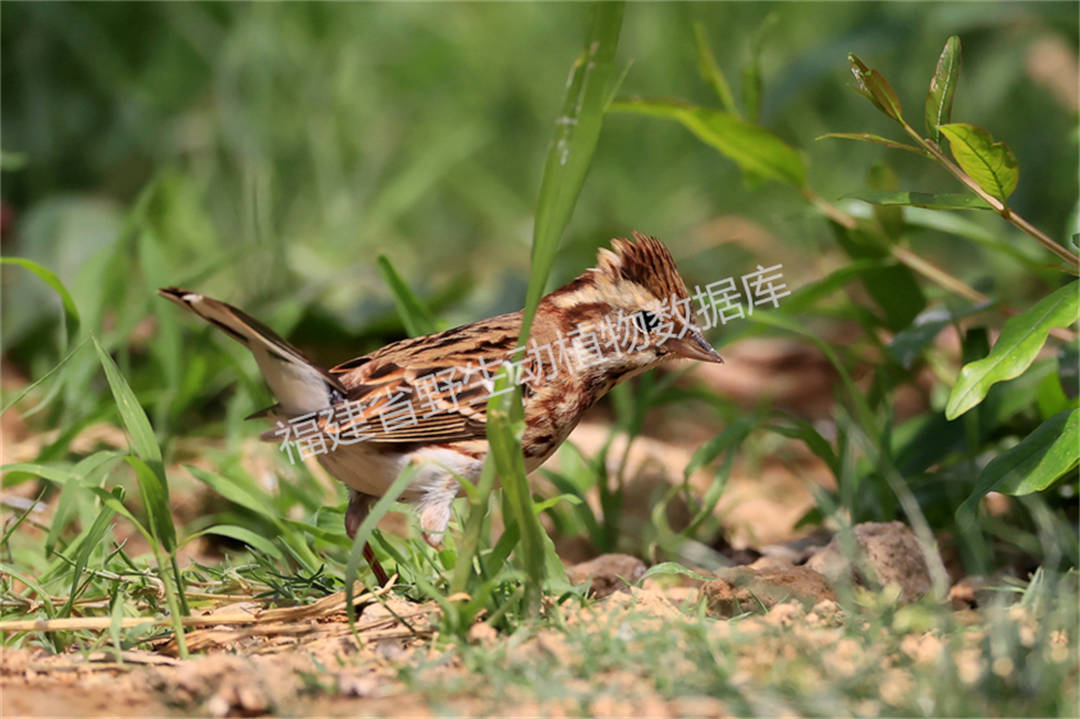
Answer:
(298, 384)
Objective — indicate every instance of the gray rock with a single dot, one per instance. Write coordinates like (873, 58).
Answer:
(885, 553)
(608, 573)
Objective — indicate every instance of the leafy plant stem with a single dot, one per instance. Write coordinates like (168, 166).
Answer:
(828, 209)
(938, 275)
(1000, 207)
(923, 267)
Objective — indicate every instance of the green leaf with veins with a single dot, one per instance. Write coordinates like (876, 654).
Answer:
(1034, 464)
(1020, 341)
(989, 162)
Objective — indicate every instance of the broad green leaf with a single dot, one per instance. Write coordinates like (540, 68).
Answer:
(893, 287)
(946, 201)
(71, 313)
(155, 498)
(1006, 399)
(242, 534)
(1050, 398)
(1031, 466)
(711, 72)
(942, 87)
(752, 148)
(416, 316)
(138, 426)
(989, 162)
(876, 139)
(1016, 348)
(872, 84)
(1069, 370)
(908, 344)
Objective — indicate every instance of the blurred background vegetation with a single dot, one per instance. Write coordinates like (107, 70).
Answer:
(266, 154)
(278, 149)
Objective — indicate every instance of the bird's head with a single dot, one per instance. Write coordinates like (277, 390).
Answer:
(636, 288)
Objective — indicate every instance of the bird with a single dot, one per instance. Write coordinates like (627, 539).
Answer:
(422, 401)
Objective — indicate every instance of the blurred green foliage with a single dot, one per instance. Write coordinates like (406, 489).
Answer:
(269, 154)
(295, 142)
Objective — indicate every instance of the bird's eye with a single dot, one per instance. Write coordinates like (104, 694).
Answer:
(646, 321)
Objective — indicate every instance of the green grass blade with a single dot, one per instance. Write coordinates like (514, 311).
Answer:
(505, 426)
(115, 502)
(138, 426)
(858, 401)
(155, 498)
(754, 149)
(576, 131)
(56, 475)
(474, 527)
(242, 534)
(71, 313)
(711, 72)
(234, 492)
(91, 541)
(356, 554)
(414, 313)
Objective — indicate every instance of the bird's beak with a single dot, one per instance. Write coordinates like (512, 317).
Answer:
(693, 345)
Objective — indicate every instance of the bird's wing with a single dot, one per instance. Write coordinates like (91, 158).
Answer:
(426, 389)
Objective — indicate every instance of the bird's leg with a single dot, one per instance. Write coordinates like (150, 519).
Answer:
(359, 506)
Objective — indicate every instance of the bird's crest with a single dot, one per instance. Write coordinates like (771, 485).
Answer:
(645, 261)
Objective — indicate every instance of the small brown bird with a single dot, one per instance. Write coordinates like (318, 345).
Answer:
(423, 401)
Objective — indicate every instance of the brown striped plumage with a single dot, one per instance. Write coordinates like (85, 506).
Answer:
(631, 277)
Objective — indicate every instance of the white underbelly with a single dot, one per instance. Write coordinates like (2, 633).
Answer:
(370, 471)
